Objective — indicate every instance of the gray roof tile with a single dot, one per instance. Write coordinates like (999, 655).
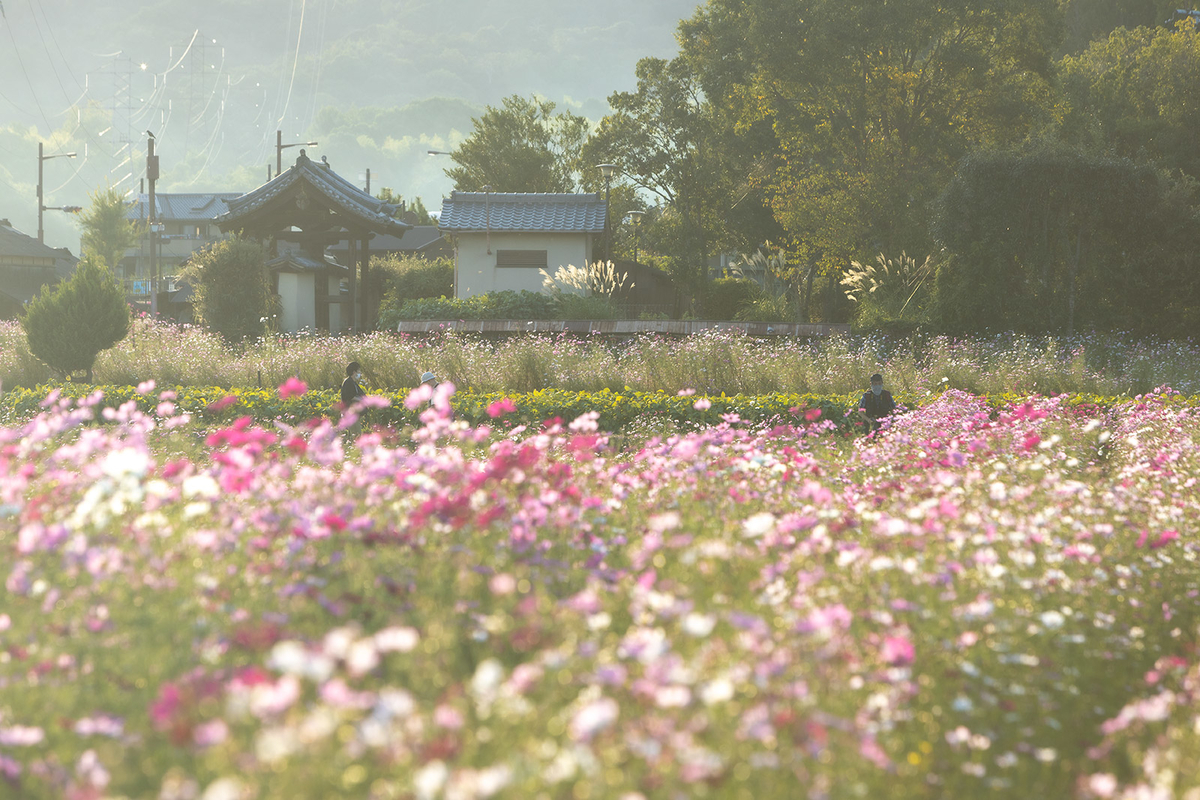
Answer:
(522, 212)
(183, 207)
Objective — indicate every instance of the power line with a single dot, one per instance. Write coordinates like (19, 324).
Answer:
(295, 61)
(25, 72)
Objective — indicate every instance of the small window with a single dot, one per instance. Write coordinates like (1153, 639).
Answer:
(526, 259)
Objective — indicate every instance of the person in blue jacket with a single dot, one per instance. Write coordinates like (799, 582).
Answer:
(877, 402)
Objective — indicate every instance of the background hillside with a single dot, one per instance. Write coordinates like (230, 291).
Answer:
(376, 82)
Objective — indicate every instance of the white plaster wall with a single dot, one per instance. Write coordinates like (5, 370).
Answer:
(335, 308)
(296, 298)
(477, 272)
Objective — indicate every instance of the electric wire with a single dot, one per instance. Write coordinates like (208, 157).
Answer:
(299, 34)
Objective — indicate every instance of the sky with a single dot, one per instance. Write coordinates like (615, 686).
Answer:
(377, 83)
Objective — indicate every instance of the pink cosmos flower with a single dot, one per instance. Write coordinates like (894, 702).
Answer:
(292, 387)
(703, 404)
(222, 404)
(897, 651)
(503, 406)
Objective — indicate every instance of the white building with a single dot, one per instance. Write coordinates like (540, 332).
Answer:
(502, 239)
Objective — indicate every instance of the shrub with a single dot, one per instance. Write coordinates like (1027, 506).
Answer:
(232, 288)
(493, 305)
(67, 325)
(574, 306)
(725, 297)
(406, 278)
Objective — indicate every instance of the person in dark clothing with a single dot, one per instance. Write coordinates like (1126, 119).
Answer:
(352, 389)
(877, 402)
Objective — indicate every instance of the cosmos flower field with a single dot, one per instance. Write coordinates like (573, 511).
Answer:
(974, 603)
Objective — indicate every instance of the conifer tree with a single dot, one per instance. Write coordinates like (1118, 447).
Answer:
(69, 324)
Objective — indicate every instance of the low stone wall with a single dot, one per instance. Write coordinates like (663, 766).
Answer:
(622, 327)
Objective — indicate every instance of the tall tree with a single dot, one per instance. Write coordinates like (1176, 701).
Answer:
(1134, 93)
(107, 229)
(414, 211)
(523, 146)
(1055, 238)
(661, 138)
(873, 103)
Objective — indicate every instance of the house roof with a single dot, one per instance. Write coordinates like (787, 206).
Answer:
(298, 261)
(20, 249)
(185, 207)
(375, 214)
(522, 212)
(418, 238)
(15, 244)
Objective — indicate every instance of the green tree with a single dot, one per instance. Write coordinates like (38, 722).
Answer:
(1055, 238)
(523, 146)
(872, 105)
(67, 325)
(232, 288)
(107, 229)
(1134, 93)
(660, 138)
(415, 212)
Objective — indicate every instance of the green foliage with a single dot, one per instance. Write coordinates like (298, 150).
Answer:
(106, 230)
(523, 146)
(1133, 93)
(872, 104)
(768, 308)
(414, 212)
(661, 139)
(723, 298)
(1055, 238)
(890, 294)
(410, 277)
(493, 305)
(67, 325)
(232, 288)
(578, 306)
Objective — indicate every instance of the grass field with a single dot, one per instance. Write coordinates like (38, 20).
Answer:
(1105, 364)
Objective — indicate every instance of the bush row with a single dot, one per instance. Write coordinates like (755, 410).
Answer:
(617, 411)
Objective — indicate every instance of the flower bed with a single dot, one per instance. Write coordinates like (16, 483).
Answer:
(993, 599)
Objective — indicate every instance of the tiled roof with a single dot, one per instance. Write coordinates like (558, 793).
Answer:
(522, 212)
(23, 285)
(20, 245)
(297, 261)
(186, 207)
(418, 238)
(376, 214)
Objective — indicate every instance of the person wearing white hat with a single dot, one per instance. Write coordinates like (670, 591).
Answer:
(430, 378)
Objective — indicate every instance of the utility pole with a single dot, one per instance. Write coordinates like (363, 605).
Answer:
(279, 146)
(368, 180)
(151, 177)
(40, 198)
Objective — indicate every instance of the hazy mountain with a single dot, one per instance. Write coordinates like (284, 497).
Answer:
(376, 82)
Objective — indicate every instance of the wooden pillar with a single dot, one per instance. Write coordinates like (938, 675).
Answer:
(353, 259)
(368, 312)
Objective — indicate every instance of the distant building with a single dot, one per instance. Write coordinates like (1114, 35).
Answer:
(26, 265)
(502, 239)
(302, 211)
(188, 224)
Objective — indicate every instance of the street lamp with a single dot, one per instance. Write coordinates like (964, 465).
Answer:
(439, 152)
(279, 146)
(607, 170)
(40, 199)
(636, 216)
